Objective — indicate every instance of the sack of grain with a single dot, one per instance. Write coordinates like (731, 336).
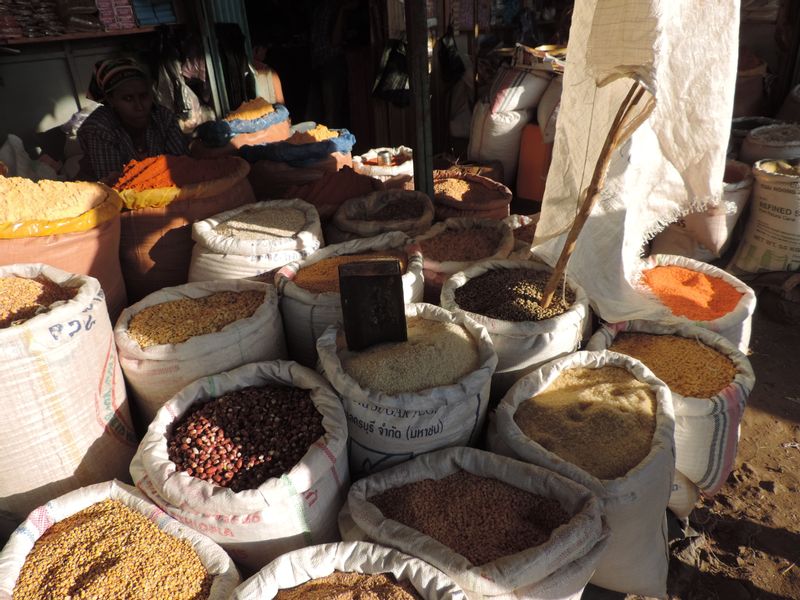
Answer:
(400, 163)
(139, 544)
(636, 559)
(73, 226)
(179, 334)
(312, 305)
(523, 227)
(740, 127)
(482, 504)
(253, 239)
(528, 336)
(683, 497)
(471, 196)
(710, 381)
(455, 244)
(254, 122)
(164, 196)
(412, 397)
(302, 148)
(285, 501)
(63, 396)
(695, 292)
(779, 141)
(340, 562)
(381, 212)
(271, 179)
(495, 136)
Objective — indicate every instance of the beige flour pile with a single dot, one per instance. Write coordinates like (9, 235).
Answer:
(24, 200)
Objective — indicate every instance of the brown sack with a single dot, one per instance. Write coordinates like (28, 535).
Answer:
(271, 179)
(329, 191)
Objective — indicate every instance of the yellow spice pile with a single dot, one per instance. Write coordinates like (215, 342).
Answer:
(252, 109)
(318, 134)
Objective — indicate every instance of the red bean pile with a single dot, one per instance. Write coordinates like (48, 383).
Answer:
(480, 518)
(243, 438)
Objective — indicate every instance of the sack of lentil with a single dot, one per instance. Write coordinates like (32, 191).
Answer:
(710, 381)
(373, 163)
(309, 289)
(611, 430)
(455, 244)
(253, 239)
(74, 226)
(407, 398)
(179, 334)
(344, 566)
(384, 211)
(695, 292)
(63, 396)
(156, 230)
(503, 296)
(523, 227)
(255, 458)
(111, 529)
(471, 196)
(500, 528)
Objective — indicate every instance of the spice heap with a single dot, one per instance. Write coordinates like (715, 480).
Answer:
(252, 109)
(480, 518)
(692, 294)
(463, 190)
(688, 367)
(173, 171)
(601, 420)
(243, 438)
(398, 210)
(525, 233)
(111, 551)
(318, 134)
(351, 586)
(24, 200)
(176, 321)
(394, 161)
(260, 223)
(323, 275)
(463, 245)
(512, 295)
(434, 355)
(22, 298)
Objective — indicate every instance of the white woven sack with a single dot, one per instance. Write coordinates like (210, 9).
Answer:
(522, 249)
(384, 172)
(559, 568)
(68, 421)
(779, 141)
(300, 566)
(218, 564)
(496, 136)
(523, 346)
(736, 326)
(306, 315)
(706, 429)
(683, 497)
(217, 256)
(387, 429)
(157, 373)
(636, 559)
(282, 514)
(353, 216)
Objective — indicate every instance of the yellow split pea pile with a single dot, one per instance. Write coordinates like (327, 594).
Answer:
(22, 298)
(351, 586)
(323, 275)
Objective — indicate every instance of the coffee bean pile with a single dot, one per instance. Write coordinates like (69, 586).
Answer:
(399, 210)
(243, 438)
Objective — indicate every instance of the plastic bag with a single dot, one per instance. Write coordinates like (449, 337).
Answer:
(392, 82)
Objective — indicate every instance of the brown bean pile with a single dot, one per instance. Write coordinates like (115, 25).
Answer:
(525, 233)
(512, 295)
(111, 551)
(463, 190)
(687, 366)
(482, 519)
(22, 298)
(462, 244)
(398, 210)
(323, 275)
(176, 321)
(243, 438)
(351, 586)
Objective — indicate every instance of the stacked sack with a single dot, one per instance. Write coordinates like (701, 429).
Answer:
(254, 122)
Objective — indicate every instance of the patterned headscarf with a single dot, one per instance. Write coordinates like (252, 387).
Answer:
(109, 73)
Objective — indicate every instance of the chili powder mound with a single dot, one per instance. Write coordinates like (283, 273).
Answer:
(692, 294)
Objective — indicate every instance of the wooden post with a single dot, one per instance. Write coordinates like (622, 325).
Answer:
(417, 33)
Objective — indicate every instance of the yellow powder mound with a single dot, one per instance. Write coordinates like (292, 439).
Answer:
(252, 109)
(318, 134)
(24, 200)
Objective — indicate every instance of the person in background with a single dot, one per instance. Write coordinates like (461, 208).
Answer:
(128, 125)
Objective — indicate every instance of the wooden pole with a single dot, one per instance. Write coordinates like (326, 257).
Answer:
(417, 33)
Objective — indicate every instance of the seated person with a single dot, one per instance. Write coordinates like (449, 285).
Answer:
(268, 84)
(128, 125)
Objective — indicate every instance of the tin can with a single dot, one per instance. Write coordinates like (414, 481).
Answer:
(385, 158)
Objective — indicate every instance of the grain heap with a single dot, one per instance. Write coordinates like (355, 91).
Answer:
(601, 420)
(692, 294)
(173, 171)
(512, 295)
(351, 586)
(176, 321)
(260, 223)
(688, 367)
(245, 437)
(463, 190)
(320, 133)
(435, 354)
(780, 167)
(398, 210)
(252, 109)
(111, 551)
(323, 275)
(22, 299)
(480, 518)
(462, 245)
(24, 200)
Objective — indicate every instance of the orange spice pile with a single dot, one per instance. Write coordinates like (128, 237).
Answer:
(692, 294)
(172, 171)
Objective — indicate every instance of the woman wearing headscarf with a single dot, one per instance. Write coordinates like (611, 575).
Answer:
(128, 125)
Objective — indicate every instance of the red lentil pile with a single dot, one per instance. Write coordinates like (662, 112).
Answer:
(463, 245)
(692, 294)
